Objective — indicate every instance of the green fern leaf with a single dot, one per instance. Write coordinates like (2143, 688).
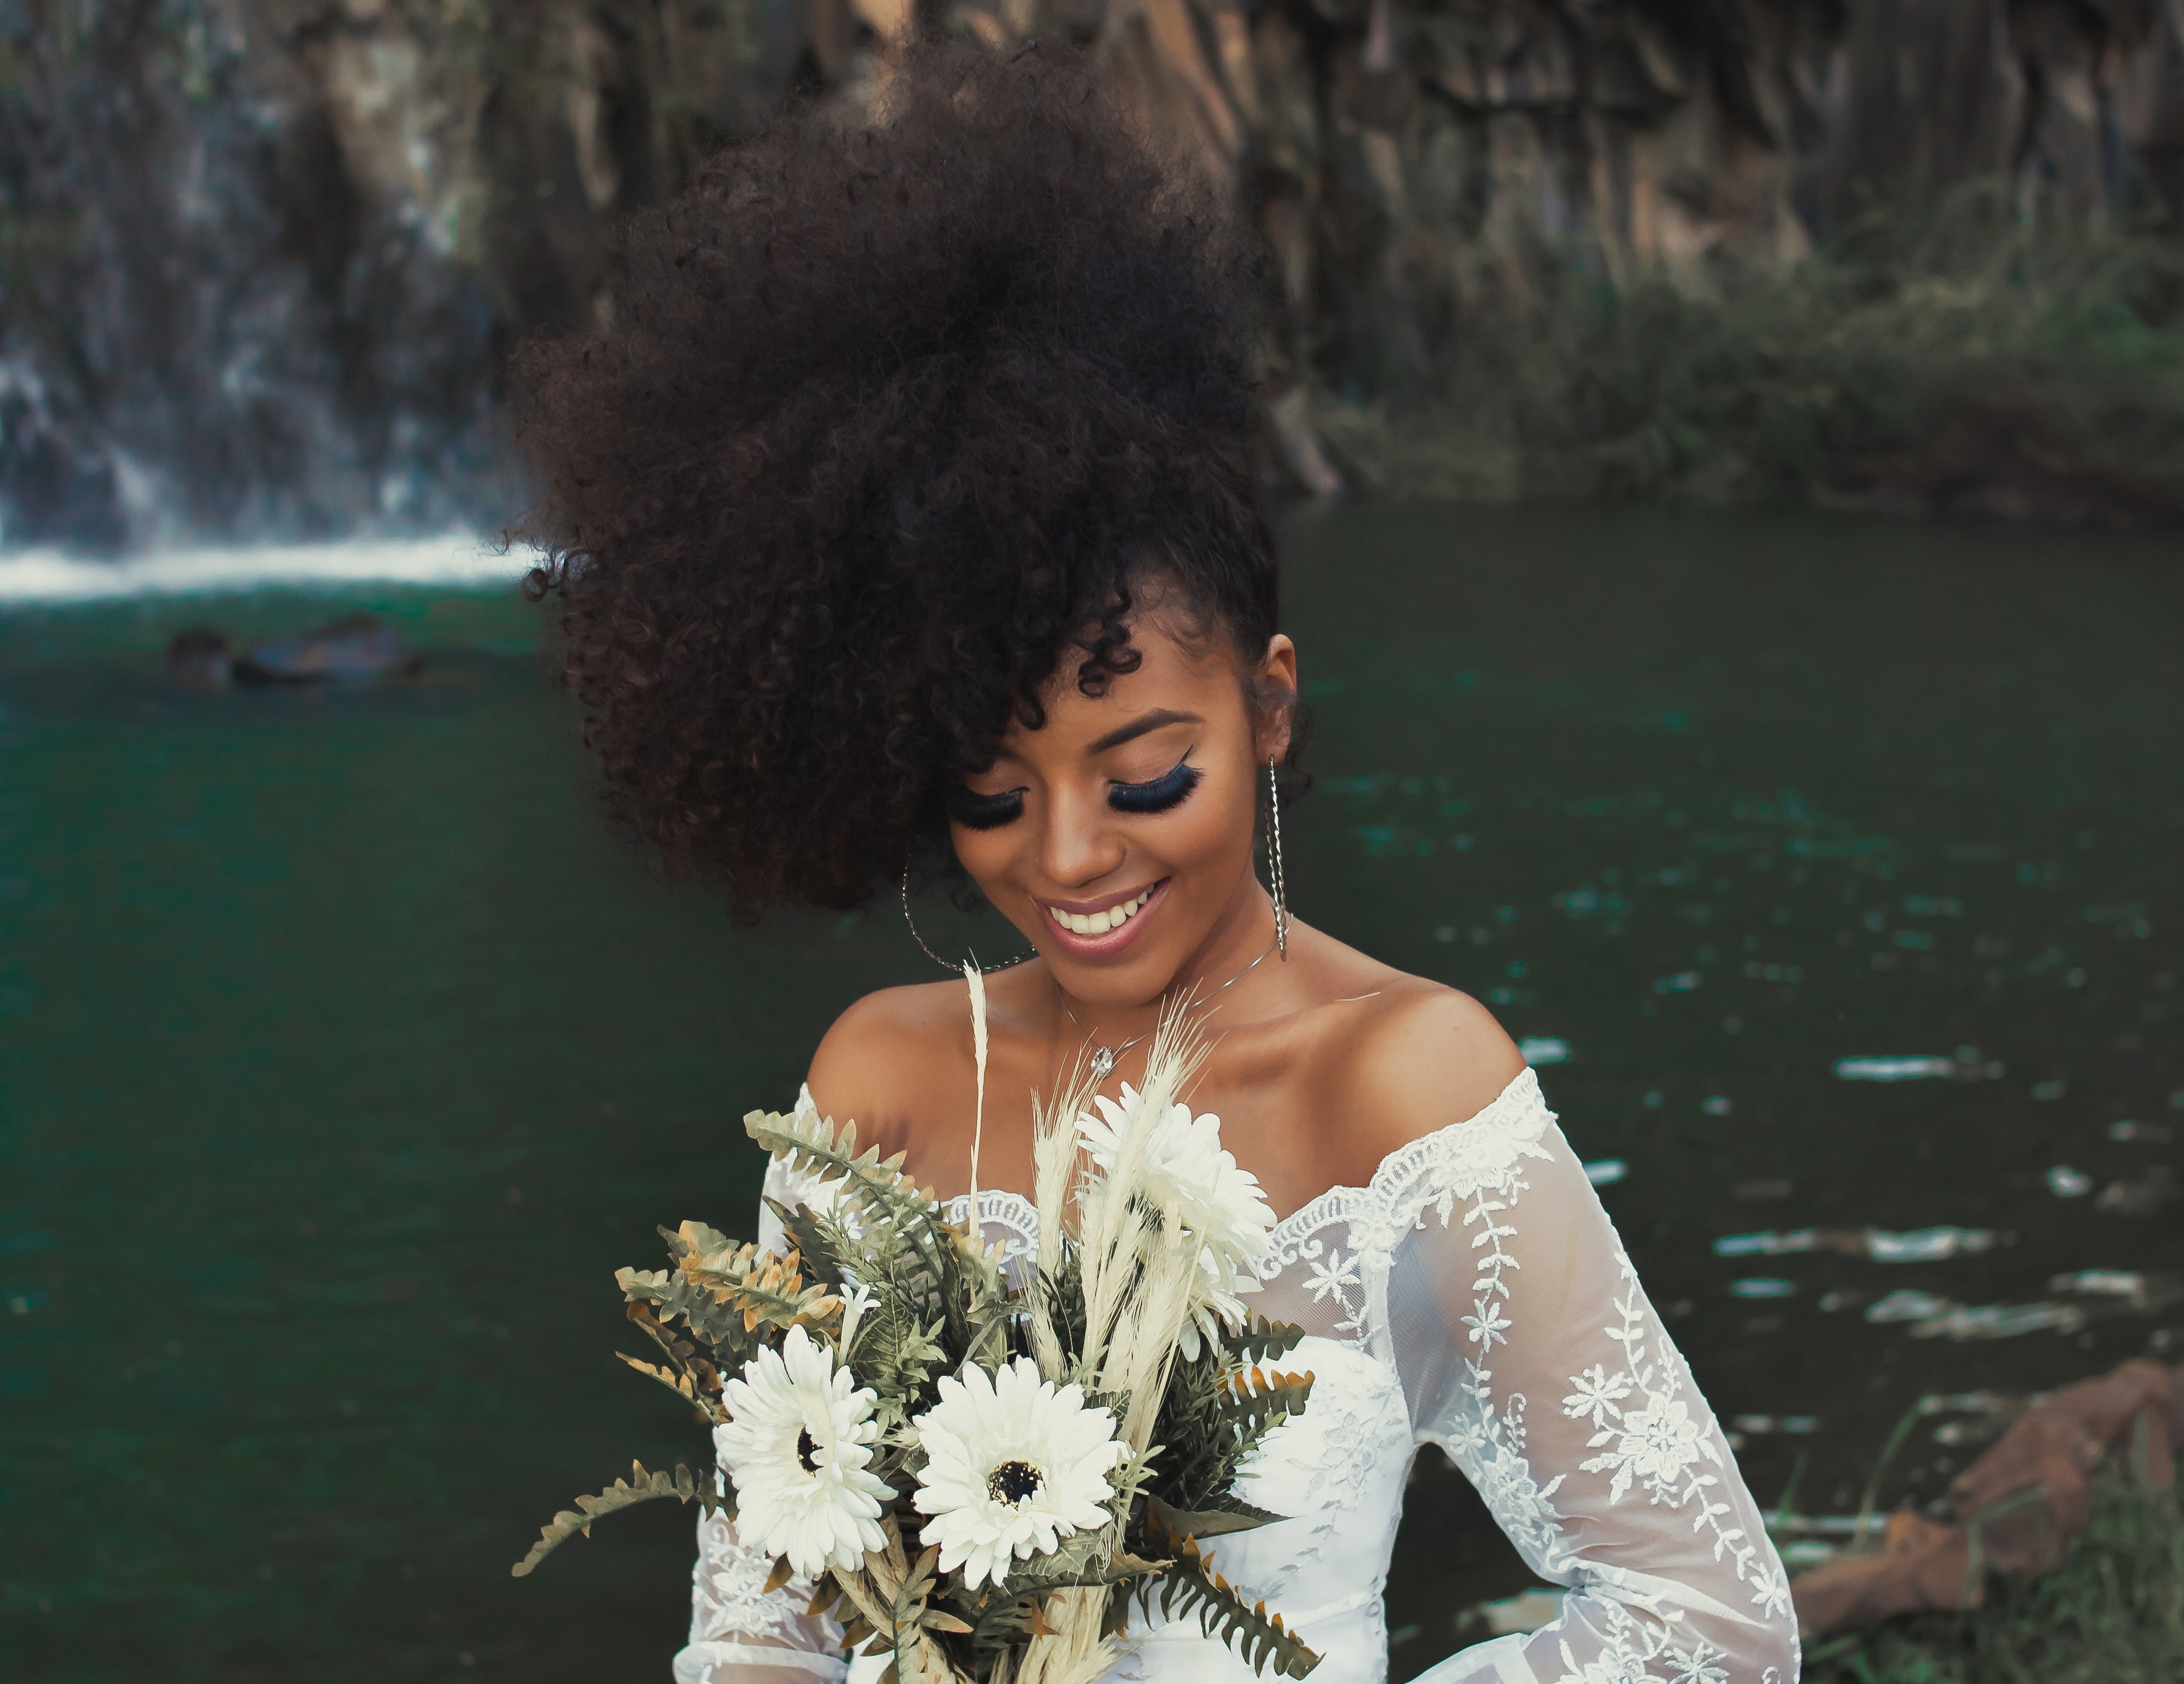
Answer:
(1259, 1340)
(823, 1256)
(642, 1488)
(1190, 1586)
(1256, 1399)
(809, 1142)
(899, 1217)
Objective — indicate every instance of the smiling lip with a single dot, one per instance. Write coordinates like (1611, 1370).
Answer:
(1100, 943)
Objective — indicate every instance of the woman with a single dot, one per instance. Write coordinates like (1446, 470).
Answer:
(907, 517)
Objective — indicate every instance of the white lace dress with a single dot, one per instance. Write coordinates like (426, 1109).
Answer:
(1476, 1296)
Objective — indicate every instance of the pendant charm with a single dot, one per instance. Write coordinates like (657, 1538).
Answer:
(1103, 1064)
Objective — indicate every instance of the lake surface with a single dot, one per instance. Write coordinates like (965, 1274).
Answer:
(343, 1055)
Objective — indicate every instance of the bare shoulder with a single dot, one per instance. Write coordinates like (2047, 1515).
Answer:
(1419, 1056)
(893, 1053)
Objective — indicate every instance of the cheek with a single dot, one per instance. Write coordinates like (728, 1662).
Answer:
(985, 854)
(1211, 831)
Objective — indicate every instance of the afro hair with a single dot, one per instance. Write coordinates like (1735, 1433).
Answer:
(892, 418)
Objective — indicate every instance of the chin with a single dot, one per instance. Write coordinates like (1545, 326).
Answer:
(1136, 984)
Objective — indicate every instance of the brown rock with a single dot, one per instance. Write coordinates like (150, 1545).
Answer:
(2017, 1508)
(1923, 1565)
(2029, 1494)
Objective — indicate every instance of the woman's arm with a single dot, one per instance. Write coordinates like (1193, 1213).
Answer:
(742, 1634)
(1530, 1352)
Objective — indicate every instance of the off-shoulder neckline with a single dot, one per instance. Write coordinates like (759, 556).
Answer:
(1396, 1173)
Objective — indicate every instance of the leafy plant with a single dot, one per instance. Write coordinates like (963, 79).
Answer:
(1937, 353)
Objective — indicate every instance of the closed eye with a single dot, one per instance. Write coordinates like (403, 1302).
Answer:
(975, 811)
(1170, 790)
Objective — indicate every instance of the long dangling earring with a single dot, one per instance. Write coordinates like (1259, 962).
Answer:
(1276, 881)
(956, 970)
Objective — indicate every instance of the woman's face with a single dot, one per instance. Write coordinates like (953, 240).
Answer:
(1118, 836)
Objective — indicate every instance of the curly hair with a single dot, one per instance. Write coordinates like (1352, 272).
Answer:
(891, 419)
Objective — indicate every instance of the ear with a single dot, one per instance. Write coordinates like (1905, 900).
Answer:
(1275, 682)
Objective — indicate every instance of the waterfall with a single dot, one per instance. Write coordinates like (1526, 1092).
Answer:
(454, 560)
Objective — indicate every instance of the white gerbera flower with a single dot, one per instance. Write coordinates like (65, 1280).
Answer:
(1188, 1175)
(798, 1446)
(1014, 1465)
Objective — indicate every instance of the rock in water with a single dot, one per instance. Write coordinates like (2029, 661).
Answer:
(343, 651)
(201, 658)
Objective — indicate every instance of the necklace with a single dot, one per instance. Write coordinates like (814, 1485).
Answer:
(1104, 1058)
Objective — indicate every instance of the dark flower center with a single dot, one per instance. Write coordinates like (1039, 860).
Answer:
(804, 1449)
(1013, 1481)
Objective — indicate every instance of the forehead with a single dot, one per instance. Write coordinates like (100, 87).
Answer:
(1179, 668)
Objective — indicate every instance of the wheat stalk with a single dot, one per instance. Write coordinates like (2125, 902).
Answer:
(1137, 1266)
(1054, 1165)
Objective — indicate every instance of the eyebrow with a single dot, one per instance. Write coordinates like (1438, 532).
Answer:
(1138, 728)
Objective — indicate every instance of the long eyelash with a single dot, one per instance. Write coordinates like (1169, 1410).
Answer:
(974, 811)
(1170, 790)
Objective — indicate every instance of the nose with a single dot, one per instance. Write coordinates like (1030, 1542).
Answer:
(1080, 846)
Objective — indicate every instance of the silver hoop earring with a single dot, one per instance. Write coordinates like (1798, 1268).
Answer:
(1276, 882)
(952, 970)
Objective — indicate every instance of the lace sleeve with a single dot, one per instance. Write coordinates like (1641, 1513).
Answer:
(1528, 1353)
(739, 1634)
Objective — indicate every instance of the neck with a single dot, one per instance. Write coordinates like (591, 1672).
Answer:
(1239, 936)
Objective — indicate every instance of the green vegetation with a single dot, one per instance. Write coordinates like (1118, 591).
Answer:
(2113, 1614)
(1954, 358)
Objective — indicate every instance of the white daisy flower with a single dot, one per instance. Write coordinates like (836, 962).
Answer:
(1014, 1465)
(1186, 1172)
(798, 1446)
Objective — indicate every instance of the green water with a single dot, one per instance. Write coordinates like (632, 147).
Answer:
(343, 1055)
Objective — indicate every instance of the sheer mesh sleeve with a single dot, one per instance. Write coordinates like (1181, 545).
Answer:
(1528, 1353)
(739, 1633)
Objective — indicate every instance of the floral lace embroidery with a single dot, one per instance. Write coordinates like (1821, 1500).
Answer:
(1659, 1444)
(1357, 1432)
(1432, 1172)
(732, 1598)
(1489, 1443)
(1630, 1646)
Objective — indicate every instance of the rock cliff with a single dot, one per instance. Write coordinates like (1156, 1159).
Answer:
(259, 259)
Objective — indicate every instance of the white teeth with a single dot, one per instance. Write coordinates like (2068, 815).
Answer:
(1099, 923)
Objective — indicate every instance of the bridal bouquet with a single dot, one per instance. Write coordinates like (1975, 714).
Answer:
(982, 1482)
